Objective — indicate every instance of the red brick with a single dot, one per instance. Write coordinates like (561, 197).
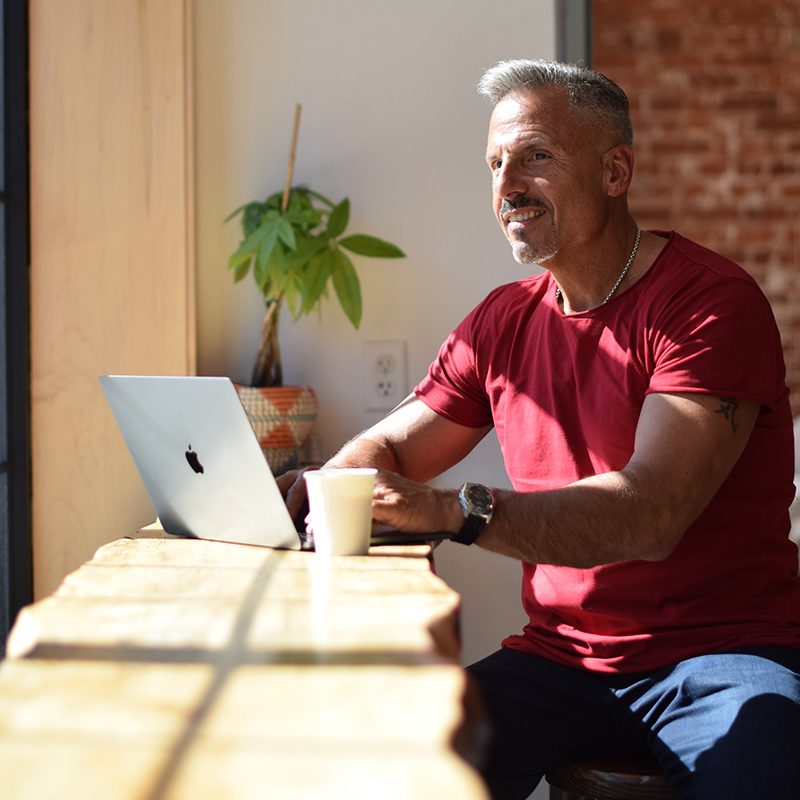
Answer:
(749, 101)
(716, 106)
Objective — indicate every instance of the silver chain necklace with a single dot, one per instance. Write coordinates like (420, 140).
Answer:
(621, 275)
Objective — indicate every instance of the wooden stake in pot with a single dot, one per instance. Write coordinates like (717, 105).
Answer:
(267, 370)
(292, 153)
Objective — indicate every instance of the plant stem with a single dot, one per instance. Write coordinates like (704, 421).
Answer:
(267, 370)
(292, 153)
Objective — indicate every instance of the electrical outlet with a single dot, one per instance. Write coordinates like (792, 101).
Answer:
(384, 374)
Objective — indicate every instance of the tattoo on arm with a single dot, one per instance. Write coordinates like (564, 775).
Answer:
(728, 406)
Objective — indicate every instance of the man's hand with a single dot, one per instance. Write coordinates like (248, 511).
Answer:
(414, 507)
(398, 502)
(412, 440)
(293, 489)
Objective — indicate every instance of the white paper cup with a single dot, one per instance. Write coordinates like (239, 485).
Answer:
(340, 502)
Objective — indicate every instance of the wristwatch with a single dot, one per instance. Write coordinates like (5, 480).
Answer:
(477, 503)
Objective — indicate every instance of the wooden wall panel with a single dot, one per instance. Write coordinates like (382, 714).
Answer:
(112, 287)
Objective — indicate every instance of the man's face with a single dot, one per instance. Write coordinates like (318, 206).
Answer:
(546, 161)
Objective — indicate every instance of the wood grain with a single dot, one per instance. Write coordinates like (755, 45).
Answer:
(112, 273)
(172, 668)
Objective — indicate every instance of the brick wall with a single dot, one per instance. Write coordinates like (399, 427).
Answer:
(715, 98)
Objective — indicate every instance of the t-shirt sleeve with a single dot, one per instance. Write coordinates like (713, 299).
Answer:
(453, 386)
(720, 340)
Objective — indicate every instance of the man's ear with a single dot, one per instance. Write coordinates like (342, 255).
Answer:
(618, 169)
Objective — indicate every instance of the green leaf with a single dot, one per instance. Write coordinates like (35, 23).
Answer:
(249, 245)
(292, 294)
(265, 252)
(299, 200)
(304, 219)
(238, 258)
(266, 231)
(254, 215)
(234, 213)
(339, 218)
(286, 234)
(347, 286)
(306, 249)
(274, 201)
(371, 246)
(241, 269)
(316, 278)
(261, 273)
(278, 274)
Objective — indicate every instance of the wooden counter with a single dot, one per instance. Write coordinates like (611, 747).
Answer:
(175, 668)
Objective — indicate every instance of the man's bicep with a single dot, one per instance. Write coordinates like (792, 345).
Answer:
(423, 442)
(686, 445)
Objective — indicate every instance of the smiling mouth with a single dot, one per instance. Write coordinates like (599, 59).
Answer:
(522, 216)
(521, 208)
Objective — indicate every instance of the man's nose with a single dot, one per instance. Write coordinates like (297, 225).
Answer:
(509, 181)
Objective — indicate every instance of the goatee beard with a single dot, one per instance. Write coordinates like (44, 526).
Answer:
(526, 253)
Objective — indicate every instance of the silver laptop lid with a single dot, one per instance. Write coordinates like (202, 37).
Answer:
(199, 459)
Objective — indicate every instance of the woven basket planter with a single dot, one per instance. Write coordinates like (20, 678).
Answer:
(282, 418)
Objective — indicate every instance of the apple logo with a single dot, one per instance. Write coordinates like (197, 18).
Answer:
(194, 461)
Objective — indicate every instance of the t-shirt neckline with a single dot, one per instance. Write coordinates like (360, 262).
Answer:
(670, 236)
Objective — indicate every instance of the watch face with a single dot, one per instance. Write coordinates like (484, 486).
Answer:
(479, 496)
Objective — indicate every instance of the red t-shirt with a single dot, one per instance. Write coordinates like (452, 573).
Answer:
(564, 393)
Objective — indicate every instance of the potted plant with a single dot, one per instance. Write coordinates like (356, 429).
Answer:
(295, 249)
(295, 245)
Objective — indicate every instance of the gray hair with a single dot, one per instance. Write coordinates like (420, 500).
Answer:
(588, 90)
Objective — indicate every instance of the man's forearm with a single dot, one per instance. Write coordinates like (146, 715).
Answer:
(685, 448)
(684, 451)
(598, 520)
(366, 451)
(593, 522)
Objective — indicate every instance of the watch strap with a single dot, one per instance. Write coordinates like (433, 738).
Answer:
(471, 529)
(477, 504)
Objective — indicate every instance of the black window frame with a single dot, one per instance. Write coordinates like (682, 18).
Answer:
(574, 31)
(16, 578)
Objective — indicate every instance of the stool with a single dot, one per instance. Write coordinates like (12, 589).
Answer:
(609, 780)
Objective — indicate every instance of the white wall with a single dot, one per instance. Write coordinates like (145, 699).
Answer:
(391, 119)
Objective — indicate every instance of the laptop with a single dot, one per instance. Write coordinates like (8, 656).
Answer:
(202, 465)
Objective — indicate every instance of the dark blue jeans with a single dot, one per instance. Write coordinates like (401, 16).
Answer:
(721, 726)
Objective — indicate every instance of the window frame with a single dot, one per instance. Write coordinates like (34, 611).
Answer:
(17, 571)
(574, 31)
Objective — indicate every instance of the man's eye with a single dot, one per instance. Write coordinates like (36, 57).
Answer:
(539, 156)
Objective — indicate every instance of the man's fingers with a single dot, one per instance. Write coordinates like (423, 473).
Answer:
(297, 499)
(293, 489)
(285, 481)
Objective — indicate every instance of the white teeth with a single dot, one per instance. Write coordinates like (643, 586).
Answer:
(523, 215)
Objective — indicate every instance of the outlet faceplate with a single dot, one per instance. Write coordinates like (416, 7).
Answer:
(384, 374)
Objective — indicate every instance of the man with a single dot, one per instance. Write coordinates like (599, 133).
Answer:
(637, 390)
